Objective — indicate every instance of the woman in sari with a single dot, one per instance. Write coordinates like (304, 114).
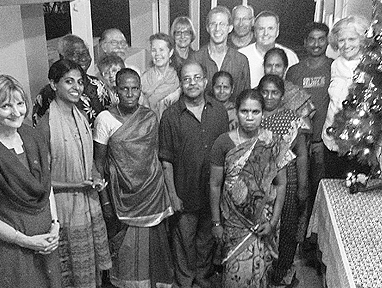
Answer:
(84, 250)
(28, 218)
(245, 214)
(285, 123)
(160, 83)
(137, 202)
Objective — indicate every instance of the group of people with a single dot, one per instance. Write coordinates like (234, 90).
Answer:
(209, 156)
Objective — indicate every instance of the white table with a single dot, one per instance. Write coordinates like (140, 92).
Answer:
(349, 230)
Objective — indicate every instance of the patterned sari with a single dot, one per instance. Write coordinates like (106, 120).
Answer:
(247, 200)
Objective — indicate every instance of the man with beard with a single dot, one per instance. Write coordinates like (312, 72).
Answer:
(313, 74)
(242, 34)
(187, 131)
(267, 26)
(217, 56)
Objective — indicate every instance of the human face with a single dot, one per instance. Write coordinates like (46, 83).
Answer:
(193, 81)
(272, 96)
(79, 54)
(160, 53)
(349, 43)
(70, 87)
(222, 89)
(219, 28)
(249, 115)
(129, 90)
(12, 112)
(109, 74)
(266, 31)
(316, 43)
(242, 21)
(183, 36)
(274, 66)
(115, 42)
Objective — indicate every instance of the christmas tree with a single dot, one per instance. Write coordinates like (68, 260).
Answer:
(357, 128)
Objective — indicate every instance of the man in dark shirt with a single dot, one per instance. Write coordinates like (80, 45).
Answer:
(217, 56)
(313, 74)
(187, 132)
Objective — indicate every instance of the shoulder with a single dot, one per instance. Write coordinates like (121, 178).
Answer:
(217, 105)
(201, 53)
(172, 111)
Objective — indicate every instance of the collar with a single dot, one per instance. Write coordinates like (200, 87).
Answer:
(182, 106)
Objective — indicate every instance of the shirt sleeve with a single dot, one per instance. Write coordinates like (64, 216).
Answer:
(166, 138)
(101, 129)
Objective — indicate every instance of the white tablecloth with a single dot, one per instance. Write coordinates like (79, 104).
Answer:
(349, 229)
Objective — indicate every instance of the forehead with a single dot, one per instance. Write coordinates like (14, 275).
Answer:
(242, 12)
(269, 85)
(348, 32)
(11, 95)
(182, 27)
(74, 73)
(266, 21)
(192, 69)
(128, 80)
(274, 58)
(250, 104)
(317, 34)
(222, 80)
(159, 43)
(115, 35)
(78, 46)
(219, 17)
(111, 66)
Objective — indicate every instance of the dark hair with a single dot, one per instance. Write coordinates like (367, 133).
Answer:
(8, 87)
(279, 82)
(249, 94)
(129, 72)
(61, 67)
(192, 62)
(277, 51)
(222, 74)
(108, 60)
(315, 26)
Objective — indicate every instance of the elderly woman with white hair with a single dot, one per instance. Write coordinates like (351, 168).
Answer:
(348, 37)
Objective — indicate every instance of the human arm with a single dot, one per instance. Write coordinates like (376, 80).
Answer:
(168, 171)
(216, 181)
(55, 228)
(279, 183)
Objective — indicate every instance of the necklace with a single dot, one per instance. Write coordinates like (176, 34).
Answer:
(120, 114)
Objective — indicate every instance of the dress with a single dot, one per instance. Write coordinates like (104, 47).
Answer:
(247, 199)
(83, 245)
(140, 250)
(24, 205)
(159, 91)
(95, 98)
(287, 124)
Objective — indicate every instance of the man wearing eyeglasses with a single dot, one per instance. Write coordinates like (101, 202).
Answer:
(113, 41)
(217, 56)
(187, 131)
(242, 34)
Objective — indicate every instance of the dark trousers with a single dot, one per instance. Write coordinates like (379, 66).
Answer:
(193, 249)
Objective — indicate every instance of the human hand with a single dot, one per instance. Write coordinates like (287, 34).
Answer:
(54, 232)
(39, 243)
(99, 184)
(217, 232)
(264, 229)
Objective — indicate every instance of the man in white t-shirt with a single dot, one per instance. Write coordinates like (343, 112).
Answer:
(266, 32)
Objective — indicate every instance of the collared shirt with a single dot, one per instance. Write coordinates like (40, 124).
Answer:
(234, 62)
(186, 143)
(256, 61)
(233, 45)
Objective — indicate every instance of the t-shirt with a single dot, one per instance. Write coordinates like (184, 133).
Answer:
(222, 145)
(316, 83)
(104, 127)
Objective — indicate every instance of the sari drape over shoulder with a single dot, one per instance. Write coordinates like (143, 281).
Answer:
(136, 180)
(247, 199)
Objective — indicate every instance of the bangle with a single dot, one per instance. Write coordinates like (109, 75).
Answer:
(106, 203)
(54, 221)
(216, 223)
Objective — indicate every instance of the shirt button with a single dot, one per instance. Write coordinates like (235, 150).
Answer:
(205, 146)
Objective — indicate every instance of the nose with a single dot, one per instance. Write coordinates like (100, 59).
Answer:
(250, 116)
(15, 110)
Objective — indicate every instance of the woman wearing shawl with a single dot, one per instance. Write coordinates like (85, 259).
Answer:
(291, 128)
(246, 212)
(160, 84)
(84, 250)
(137, 202)
(28, 218)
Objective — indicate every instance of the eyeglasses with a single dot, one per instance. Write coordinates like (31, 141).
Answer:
(215, 25)
(196, 78)
(186, 33)
(115, 43)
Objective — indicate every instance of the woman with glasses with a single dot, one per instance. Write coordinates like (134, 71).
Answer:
(160, 83)
(183, 31)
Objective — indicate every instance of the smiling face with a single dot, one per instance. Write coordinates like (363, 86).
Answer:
(272, 96)
(274, 65)
(316, 43)
(79, 54)
(109, 74)
(222, 89)
(249, 115)
(242, 21)
(182, 36)
(349, 43)
(266, 31)
(218, 27)
(115, 42)
(129, 90)
(70, 87)
(160, 53)
(12, 111)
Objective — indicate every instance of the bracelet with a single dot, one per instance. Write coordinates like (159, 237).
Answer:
(54, 221)
(106, 203)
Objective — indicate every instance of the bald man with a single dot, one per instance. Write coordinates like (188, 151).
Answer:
(243, 20)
